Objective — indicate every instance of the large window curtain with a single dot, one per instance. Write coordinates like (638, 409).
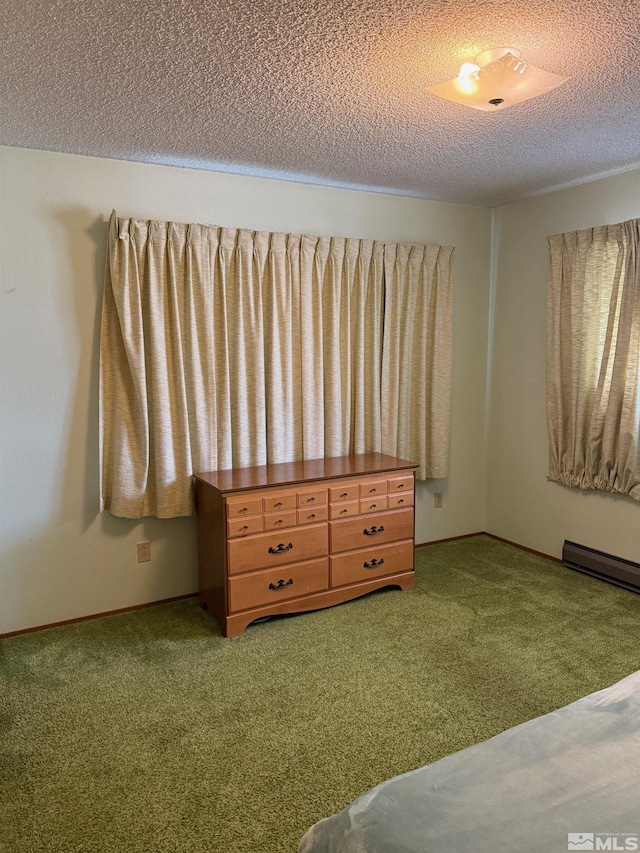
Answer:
(224, 348)
(593, 358)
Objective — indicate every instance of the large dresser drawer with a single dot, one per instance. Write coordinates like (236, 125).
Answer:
(371, 530)
(358, 566)
(278, 548)
(257, 589)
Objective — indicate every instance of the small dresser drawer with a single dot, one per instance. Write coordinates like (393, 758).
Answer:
(315, 497)
(358, 566)
(400, 499)
(400, 484)
(373, 504)
(373, 488)
(244, 526)
(239, 507)
(312, 515)
(269, 587)
(344, 492)
(370, 530)
(278, 520)
(277, 501)
(266, 550)
(345, 509)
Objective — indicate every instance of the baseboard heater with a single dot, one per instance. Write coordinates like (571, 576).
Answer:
(615, 570)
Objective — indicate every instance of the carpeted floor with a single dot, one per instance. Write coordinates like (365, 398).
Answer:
(149, 732)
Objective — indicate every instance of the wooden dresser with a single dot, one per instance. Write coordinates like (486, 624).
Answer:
(299, 536)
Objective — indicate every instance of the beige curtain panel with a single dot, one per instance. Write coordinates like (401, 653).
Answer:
(593, 358)
(222, 348)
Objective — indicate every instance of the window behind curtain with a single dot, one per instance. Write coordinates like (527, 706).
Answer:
(223, 348)
(593, 358)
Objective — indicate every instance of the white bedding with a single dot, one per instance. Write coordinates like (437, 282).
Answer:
(575, 770)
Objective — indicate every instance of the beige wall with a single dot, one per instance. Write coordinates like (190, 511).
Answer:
(521, 505)
(60, 559)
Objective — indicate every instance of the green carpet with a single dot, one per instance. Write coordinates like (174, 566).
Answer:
(148, 732)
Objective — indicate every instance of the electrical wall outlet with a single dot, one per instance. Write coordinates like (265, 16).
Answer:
(437, 500)
(143, 550)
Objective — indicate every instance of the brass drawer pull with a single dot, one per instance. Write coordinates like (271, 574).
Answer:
(371, 491)
(344, 510)
(344, 495)
(374, 563)
(311, 500)
(373, 530)
(281, 549)
(281, 584)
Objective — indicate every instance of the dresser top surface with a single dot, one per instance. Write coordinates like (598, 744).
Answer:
(294, 473)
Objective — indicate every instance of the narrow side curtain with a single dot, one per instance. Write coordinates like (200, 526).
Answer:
(223, 348)
(593, 358)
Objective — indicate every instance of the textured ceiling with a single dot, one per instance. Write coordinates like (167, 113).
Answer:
(329, 92)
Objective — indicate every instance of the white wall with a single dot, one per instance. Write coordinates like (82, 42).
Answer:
(60, 559)
(521, 505)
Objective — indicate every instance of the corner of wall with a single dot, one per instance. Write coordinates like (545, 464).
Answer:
(496, 224)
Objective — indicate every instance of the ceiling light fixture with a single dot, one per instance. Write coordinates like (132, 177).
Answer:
(495, 80)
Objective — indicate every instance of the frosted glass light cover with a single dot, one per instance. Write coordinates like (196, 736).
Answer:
(505, 81)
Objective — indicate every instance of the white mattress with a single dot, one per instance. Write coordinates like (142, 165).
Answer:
(576, 770)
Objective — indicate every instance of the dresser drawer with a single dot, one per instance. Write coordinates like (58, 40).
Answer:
(238, 507)
(403, 483)
(312, 515)
(244, 526)
(347, 491)
(266, 550)
(374, 562)
(312, 497)
(278, 501)
(344, 509)
(373, 504)
(279, 520)
(371, 530)
(400, 499)
(373, 488)
(273, 585)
